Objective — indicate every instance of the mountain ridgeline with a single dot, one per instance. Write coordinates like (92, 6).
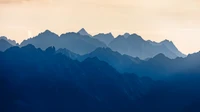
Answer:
(75, 42)
(83, 43)
(147, 68)
(48, 81)
(135, 46)
(36, 80)
(75, 72)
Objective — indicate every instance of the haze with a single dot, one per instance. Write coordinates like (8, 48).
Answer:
(175, 20)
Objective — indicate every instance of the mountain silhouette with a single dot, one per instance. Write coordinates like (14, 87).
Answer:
(82, 43)
(68, 53)
(135, 46)
(4, 45)
(170, 46)
(42, 40)
(72, 41)
(105, 38)
(122, 63)
(12, 42)
(83, 32)
(79, 44)
(127, 64)
(37, 80)
(168, 67)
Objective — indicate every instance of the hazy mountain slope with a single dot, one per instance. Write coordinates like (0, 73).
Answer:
(158, 67)
(170, 45)
(122, 63)
(42, 40)
(68, 53)
(83, 43)
(33, 80)
(4, 45)
(12, 42)
(79, 44)
(105, 38)
(135, 46)
(36, 80)
(72, 41)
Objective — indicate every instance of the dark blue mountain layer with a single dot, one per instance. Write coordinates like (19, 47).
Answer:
(158, 67)
(45, 81)
(122, 63)
(33, 80)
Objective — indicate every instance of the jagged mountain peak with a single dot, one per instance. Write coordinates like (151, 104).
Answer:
(83, 32)
(48, 32)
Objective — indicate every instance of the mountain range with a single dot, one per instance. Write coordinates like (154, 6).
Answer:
(75, 72)
(36, 80)
(83, 43)
(127, 64)
(80, 44)
(135, 46)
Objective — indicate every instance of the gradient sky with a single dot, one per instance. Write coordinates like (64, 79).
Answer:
(175, 20)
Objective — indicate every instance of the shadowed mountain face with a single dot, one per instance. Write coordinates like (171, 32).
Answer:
(122, 63)
(135, 46)
(158, 67)
(39, 81)
(105, 38)
(72, 41)
(33, 80)
(12, 42)
(4, 45)
(68, 53)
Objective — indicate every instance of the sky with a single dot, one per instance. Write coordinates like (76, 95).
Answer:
(157, 20)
